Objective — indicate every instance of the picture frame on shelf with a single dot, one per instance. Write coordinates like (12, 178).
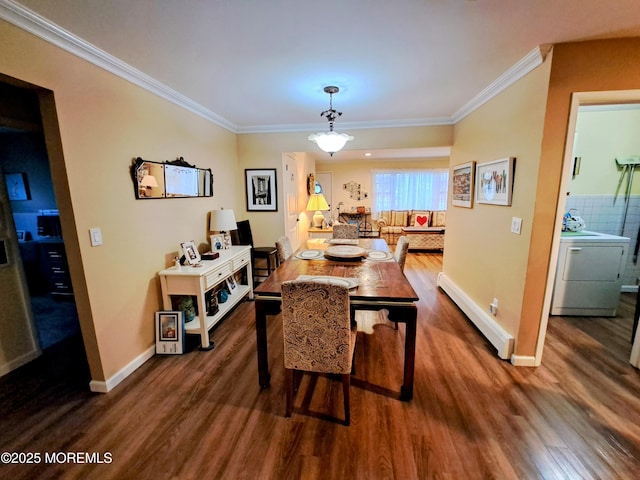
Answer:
(190, 252)
(494, 181)
(217, 242)
(261, 190)
(21, 235)
(462, 177)
(169, 332)
(231, 283)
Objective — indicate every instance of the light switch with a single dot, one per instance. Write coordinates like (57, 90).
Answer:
(96, 236)
(516, 225)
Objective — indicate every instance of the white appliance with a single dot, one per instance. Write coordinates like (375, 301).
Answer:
(589, 274)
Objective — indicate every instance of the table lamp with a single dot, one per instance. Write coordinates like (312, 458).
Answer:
(318, 203)
(223, 221)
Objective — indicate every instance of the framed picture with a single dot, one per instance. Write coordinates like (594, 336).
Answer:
(494, 181)
(261, 190)
(22, 235)
(191, 252)
(462, 185)
(217, 242)
(17, 186)
(170, 332)
(231, 284)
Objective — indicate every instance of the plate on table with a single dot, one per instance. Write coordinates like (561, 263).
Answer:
(310, 254)
(379, 255)
(350, 252)
(344, 281)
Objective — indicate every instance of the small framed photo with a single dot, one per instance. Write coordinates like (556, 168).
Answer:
(170, 332)
(261, 190)
(462, 185)
(22, 235)
(494, 181)
(191, 252)
(217, 242)
(231, 284)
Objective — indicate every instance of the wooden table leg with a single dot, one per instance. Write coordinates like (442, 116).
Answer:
(263, 308)
(409, 316)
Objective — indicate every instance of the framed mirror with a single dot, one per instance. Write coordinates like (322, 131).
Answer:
(174, 179)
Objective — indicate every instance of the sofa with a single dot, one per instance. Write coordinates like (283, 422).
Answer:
(424, 228)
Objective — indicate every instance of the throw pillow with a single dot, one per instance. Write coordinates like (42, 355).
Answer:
(421, 221)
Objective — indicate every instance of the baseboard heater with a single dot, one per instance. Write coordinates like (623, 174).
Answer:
(502, 340)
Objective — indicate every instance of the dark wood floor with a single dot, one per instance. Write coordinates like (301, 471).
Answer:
(202, 416)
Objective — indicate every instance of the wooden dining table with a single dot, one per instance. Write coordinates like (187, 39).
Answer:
(381, 285)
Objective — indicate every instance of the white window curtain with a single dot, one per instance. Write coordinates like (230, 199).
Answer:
(410, 189)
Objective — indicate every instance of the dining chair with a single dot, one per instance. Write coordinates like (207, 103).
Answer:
(266, 254)
(318, 334)
(348, 230)
(400, 253)
(283, 247)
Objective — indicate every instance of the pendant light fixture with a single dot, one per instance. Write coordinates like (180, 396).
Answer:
(330, 141)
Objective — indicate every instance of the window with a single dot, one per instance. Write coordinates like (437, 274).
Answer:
(410, 189)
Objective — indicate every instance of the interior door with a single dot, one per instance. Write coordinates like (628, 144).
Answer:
(290, 189)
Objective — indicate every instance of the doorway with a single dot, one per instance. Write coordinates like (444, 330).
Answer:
(581, 99)
(33, 221)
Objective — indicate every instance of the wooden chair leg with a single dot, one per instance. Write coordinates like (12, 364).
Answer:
(346, 382)
(290, 387)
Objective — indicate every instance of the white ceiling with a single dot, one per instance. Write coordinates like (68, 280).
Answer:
(262, 65)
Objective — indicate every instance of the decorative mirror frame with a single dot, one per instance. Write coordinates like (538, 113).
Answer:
(171, 179)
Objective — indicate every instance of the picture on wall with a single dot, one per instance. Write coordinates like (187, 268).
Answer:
(462, 185)
(261, 190)
(494, 181)
(17, 186)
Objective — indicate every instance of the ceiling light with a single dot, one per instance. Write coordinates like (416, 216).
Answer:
(330, 141)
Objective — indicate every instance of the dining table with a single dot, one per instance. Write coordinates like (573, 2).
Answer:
(376, 283)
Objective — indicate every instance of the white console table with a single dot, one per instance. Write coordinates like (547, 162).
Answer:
(197, 281)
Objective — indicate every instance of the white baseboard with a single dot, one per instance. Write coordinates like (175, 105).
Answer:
(19, 361)
(629, 288)
(501, 339)
(100, 386)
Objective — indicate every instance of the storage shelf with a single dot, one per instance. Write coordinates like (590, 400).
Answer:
(193, 327)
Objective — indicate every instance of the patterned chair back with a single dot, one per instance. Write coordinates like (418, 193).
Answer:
(318, 336)
(349, 230)
(400, 253)
(283, 246)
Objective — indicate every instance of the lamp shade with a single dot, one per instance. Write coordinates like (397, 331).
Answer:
(148, 181)
(222, 221)
(317, 202)
(331, 141)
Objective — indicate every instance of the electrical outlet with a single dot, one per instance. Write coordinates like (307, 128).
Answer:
(493, 307)
(516, 225)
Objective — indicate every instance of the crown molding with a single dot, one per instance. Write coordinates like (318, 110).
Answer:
(529, 62)
(39, 26)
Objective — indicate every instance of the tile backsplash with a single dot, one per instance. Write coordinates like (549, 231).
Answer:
(605, 214)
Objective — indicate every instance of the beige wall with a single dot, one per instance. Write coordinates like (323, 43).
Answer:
(104, 123)
(601, 137)
(482, 256)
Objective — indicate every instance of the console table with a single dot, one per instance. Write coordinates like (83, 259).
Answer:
(197, 281)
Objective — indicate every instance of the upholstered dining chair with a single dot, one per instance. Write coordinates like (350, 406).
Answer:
(348, 230)
(318, 334)
(400, 253)
(267, 254)
(283, 247)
